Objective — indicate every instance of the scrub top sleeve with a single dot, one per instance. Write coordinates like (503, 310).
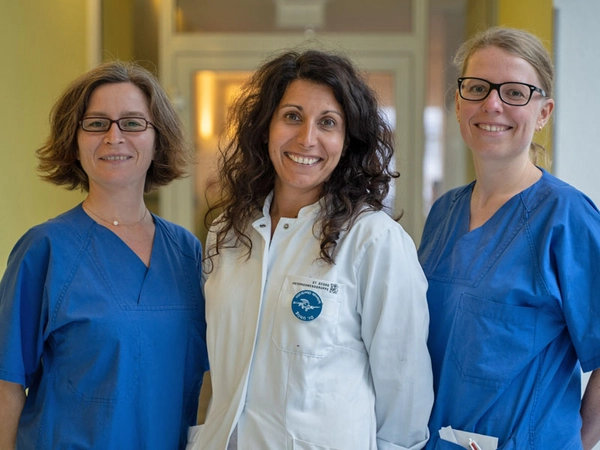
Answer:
(23, 311)
(576, 251)
(395, 323)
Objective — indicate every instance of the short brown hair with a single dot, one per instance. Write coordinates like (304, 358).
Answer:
(58, 161)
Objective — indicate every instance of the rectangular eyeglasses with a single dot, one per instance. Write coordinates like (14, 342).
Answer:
(512, 93)
(103, 124)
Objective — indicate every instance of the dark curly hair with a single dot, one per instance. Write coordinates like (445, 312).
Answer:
(359, 183)
(58, 161)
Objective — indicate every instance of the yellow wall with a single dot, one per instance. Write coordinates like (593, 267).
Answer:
(43, 47)
(117, 30)
(535, 16)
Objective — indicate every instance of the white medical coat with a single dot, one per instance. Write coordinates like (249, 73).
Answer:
(356, 377)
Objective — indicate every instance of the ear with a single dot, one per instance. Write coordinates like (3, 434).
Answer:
(457, 106)
(546, 112)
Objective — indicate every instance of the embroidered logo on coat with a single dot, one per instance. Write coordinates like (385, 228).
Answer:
(307, 305)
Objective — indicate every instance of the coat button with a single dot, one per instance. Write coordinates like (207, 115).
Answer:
(286, 226)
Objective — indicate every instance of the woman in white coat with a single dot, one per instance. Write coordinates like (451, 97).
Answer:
(316, 303)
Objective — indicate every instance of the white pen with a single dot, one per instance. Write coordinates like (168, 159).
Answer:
(473, 445)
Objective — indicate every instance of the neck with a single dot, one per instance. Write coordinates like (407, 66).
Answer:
(504, 180)
(491, 191)
(116, 215)
(289, 204)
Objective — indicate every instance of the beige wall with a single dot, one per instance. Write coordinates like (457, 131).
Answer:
(43, 47)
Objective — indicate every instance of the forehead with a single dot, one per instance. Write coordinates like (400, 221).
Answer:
(121, 97)
(498, 66)
(303, 91)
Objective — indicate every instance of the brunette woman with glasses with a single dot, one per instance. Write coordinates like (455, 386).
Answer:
(101, 308)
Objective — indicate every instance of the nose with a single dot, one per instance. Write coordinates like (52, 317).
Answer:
(492, 102)
(113, 135)
(307, 135)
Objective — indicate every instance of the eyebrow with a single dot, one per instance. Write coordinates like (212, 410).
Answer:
(327, 111)
(125, 114)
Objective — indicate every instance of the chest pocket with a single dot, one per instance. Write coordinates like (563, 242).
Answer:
(499, 342)
(306, 316)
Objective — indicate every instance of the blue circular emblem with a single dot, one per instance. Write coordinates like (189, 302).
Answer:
(307, 305)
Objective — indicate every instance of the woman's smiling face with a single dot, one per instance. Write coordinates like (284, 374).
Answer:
(306, 139)
(116, 158)
(491, 128)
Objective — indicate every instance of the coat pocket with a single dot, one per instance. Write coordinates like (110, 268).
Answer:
(306, 316)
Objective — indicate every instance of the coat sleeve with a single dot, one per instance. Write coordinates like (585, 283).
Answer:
(395, 324)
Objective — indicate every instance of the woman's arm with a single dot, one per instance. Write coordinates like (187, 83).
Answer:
(12, 399)
(590, 412)
(395, 326)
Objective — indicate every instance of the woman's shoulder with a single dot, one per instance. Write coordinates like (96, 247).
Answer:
(373, 225)
(452, 196)
(560, 196)
(67, 225)
(58, 235)
(180, 236)
(443, 208)
(371, 218)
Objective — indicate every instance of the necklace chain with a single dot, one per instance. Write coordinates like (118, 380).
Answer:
(116, 222)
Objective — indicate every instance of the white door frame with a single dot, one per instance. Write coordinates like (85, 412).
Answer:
(404, 55)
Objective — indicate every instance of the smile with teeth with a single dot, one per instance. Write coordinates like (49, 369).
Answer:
(115, 158)
(492, 128)
(303, 160)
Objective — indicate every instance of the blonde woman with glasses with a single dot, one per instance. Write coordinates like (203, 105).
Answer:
(511, 261)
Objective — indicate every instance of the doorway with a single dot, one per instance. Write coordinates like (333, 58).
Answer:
(200, 65)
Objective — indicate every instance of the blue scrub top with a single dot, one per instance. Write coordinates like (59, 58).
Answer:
(513, 313)
(112, 351)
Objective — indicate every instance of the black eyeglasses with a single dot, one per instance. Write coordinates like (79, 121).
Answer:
(512, 93)
(103, 124)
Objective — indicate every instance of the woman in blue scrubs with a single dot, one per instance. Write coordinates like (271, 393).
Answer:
(101, 308)
(511, 261)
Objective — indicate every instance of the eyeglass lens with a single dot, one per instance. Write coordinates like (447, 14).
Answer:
(510, 93)
(100, 124)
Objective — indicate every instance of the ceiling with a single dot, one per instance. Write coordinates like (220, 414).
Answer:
(359, 16)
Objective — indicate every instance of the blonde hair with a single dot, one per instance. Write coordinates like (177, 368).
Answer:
(523, 45)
